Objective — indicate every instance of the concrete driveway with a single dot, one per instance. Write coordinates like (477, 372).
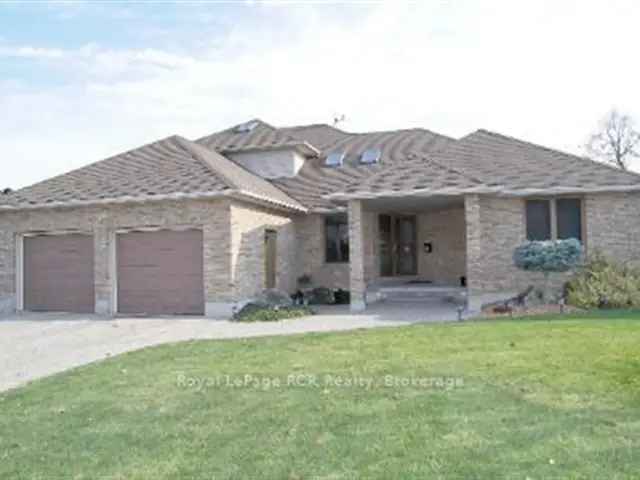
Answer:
(36, 345)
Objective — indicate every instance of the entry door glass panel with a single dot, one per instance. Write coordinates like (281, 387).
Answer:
(406, 245)
(385, 242)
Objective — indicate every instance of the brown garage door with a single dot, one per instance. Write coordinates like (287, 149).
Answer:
(58, 273)
(160, 273)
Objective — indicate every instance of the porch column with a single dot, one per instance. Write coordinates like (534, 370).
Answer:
(474, 251)
(357, 283)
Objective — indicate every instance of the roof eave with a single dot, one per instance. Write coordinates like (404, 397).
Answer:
(560, 190)
(425, 192)
(479, 190)
(231, 193)
(261, 200)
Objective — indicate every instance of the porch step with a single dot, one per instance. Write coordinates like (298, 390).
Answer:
(414, 299)
(420, 293)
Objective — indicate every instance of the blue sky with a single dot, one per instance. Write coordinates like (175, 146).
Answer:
(83, 80)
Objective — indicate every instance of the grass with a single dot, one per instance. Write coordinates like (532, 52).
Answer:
(535, 398)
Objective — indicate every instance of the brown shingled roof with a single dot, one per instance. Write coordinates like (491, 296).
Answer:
(515, 164)
(419, 175)
(315, 180)
(413, 160)
(490, 162)
(173, 168)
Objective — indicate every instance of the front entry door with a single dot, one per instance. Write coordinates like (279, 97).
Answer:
(270, 257)
(397, 245)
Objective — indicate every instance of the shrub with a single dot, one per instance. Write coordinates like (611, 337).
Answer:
(548, 257)
(253, 312)
(343, 297)
(604, 283)
(322, 296)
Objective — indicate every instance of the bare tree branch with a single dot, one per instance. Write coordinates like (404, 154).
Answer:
(617, 140)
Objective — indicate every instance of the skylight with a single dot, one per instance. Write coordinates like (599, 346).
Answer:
(335, 159)
(370, 156)
(246, 127)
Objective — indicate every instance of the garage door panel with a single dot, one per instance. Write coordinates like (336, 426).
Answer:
(160, 272)
(59, 273)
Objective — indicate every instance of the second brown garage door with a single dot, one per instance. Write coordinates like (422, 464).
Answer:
(160, 273)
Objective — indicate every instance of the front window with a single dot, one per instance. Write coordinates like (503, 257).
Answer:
(569, 216)
(337, 239)
(538, 219)
(563, 213)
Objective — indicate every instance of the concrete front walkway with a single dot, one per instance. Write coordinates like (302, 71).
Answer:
(37, 345)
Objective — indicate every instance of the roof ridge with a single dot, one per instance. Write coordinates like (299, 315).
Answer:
(456, 171)
(553, 150)
(277, 129)
(372, 132)
(188, 146)
(400, 130)
(312, 125)
(428, 159)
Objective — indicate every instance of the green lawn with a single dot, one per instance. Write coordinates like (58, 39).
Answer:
(537, 398)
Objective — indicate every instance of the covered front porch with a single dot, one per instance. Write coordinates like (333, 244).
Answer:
(409, 250)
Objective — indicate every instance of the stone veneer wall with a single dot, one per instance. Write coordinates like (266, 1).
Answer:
(229, 259)
(357, 280)
(311, 252)
(497, 225)
(248, 226)
(446, 230)
(613, 225)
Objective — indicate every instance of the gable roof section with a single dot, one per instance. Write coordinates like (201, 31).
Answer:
(488, 162)
(240, 179)
(170, 168)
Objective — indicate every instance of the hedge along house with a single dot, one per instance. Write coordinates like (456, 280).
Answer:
(181, 227)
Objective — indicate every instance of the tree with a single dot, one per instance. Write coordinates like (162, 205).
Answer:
(617, 141)
(551, 256)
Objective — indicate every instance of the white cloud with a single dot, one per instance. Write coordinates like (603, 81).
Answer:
(97, 61)
(33, 53)
(544, 71)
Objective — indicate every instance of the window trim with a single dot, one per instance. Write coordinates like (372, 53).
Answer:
(325, 221)
(554, 215)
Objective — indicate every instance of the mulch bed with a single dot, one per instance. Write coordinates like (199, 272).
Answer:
(528, 311)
